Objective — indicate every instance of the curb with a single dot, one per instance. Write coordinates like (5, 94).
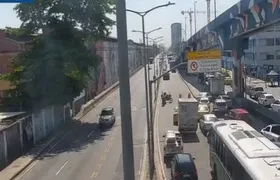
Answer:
(54, 138)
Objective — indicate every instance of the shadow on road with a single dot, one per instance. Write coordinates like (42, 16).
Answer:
(77, 138)
(190, 138)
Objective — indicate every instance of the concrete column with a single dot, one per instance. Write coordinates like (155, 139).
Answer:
(238, 45)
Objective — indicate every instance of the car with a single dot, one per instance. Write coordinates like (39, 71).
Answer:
(203, 109)
(202, 94)
(206, 121)
(107, 117)
(204, 100)
(239, 114)
(275, 106)
(272, 132)
(266, 99)
(182, 167)
(172, 144)
(220, 107)
(227, 99)
(175, 116)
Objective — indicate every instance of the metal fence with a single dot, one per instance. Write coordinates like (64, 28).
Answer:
(22, 135)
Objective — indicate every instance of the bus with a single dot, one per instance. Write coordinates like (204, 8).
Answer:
(239, 152)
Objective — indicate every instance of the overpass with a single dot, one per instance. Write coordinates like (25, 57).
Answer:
(230, 31)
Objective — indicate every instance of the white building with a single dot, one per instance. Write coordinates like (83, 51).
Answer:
(264, 51)
(176, 34)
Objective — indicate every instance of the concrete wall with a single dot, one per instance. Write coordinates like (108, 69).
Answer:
(107, 73)
(19, 137)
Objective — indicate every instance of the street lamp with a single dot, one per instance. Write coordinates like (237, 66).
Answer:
(154, 39)
(150, 135)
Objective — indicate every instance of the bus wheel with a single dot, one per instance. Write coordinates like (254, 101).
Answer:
(214, 173)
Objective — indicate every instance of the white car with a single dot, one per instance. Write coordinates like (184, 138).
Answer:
(272, 132)
(202, 95)
(206, 121)
(275, 106)
(204, 100)
(266, 99)
(173, 143)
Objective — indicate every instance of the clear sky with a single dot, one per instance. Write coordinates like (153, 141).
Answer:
(163, 17)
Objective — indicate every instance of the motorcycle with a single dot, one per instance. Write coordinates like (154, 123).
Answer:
(169, 98)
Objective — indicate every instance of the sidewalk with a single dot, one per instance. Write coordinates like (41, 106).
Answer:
(275, 91)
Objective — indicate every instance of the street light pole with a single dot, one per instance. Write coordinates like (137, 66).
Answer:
(124, 86)
(150, 129)
(195, 17)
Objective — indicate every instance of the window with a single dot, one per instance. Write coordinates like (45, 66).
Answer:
(270, 42)
(277, 41)
(266, 56)
(277, 54)
(252, 43)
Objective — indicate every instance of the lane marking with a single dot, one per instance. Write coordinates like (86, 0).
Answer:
(112, 138)
(90, 134)
(143, 168)
(158, 143)
(103, 158)
(61, 168)
(107, 150)
(99, 166)
(35, 162)
(94, 174)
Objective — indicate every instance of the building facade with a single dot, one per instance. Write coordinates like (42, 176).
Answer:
(176, 34)
(263, 53)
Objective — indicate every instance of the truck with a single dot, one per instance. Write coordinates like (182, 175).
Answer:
(217, 86)
(187, 115)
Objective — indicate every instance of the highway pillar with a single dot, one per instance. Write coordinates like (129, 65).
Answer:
(238, 44)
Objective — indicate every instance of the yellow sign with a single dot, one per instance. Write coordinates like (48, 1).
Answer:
(204, 55)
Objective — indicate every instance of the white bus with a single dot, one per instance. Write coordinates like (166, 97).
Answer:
(239, 152)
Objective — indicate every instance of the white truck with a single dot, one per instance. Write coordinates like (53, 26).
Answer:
(173, 143)
(188, 117)
(217, 86)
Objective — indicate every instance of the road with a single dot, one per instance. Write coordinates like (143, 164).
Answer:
(87, 153)
(195, 144)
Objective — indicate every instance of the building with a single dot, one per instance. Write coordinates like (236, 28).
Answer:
(10, 46)
(176, 35)
(263, 53)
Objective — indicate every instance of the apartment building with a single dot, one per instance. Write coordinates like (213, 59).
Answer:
(263, 52)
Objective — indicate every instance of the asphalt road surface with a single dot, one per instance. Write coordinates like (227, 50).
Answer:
(88, 153)
(195, 144)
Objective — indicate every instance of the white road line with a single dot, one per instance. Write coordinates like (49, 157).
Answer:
(143, 160)
(61, 168)
(158, 142)
(90, 134)
(35, 162)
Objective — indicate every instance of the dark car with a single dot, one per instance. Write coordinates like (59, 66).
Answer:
(239, 114)
(183, 167)
(107, 117)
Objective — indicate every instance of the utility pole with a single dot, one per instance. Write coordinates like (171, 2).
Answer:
(125, 103)
(215, 8)
(190, 16)
(208, 10)
(194, 16)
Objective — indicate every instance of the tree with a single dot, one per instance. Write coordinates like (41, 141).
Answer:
(55, 68)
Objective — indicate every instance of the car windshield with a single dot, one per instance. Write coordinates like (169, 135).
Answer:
(221, 104)
(276, 130)
(203, 108)
(211, 119)
(226, 98)
(106, 112)
(204, 100)
(269, 97)
(258, 89)
(276, 102)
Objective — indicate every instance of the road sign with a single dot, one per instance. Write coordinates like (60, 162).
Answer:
(204, 61)
(194, 66)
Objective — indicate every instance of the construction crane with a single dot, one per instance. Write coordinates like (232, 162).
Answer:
(190, 12)
(203, 12)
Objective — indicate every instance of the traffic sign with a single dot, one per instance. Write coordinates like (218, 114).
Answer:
(204, 61)
(194, 66)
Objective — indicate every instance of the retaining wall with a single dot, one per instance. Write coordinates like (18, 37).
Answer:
(20, 136)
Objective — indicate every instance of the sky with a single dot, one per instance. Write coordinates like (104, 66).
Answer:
(162, 17)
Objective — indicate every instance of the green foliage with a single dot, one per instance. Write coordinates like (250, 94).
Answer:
(55, 69)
